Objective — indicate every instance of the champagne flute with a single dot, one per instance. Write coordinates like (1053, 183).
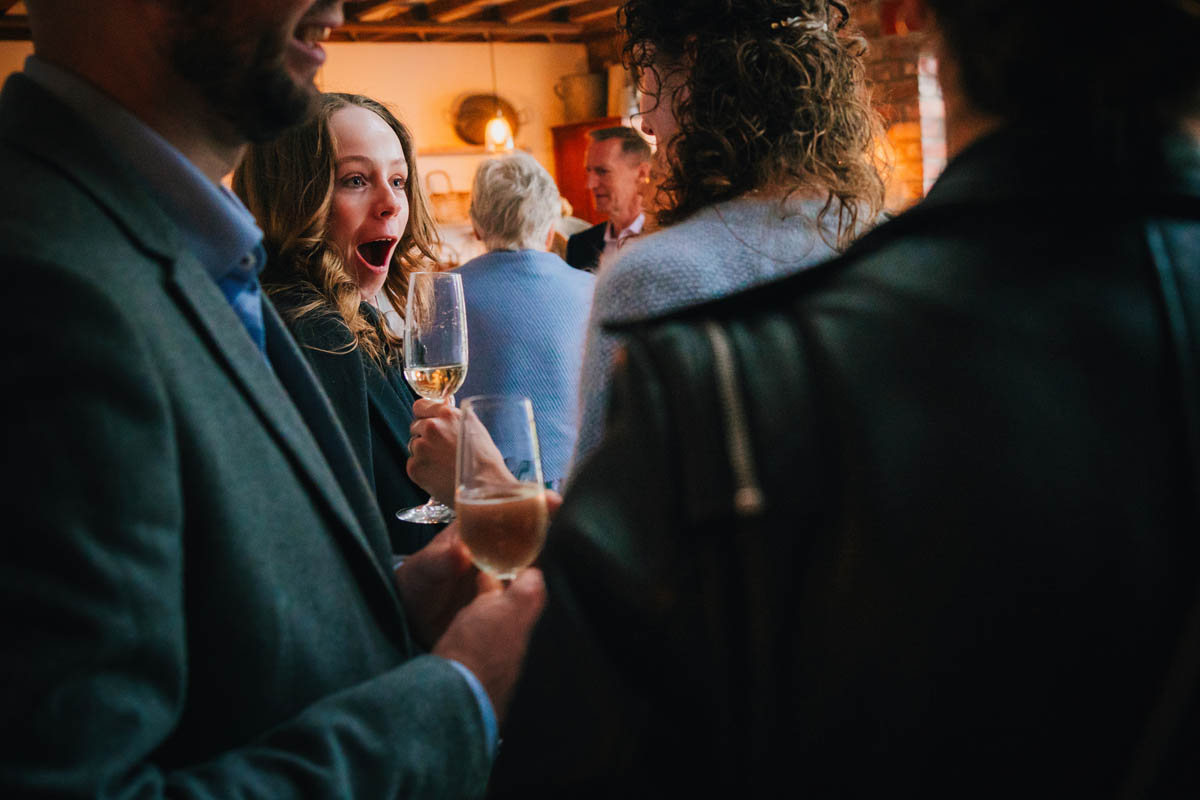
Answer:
(499, 494)
(435, 355)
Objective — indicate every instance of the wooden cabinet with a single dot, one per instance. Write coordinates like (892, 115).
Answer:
(570, 160)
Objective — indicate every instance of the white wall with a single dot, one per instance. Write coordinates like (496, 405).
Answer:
(421, 81)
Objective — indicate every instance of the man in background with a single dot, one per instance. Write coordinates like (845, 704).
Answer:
(920, 522)
(196, 591)
(618, 166)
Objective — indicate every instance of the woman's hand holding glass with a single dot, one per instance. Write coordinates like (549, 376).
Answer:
(435, 356)
(433, 448)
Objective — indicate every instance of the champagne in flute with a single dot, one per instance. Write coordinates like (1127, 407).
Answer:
(436, 383)
(499, 494)
(435, 355)
(504, 528)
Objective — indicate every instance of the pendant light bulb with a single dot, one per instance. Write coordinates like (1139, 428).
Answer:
(498, 133)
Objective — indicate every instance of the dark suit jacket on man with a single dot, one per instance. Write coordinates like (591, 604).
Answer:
(585, 248)
(195, 590)
(977, 541)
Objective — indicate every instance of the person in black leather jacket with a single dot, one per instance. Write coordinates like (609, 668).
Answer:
(921, 521)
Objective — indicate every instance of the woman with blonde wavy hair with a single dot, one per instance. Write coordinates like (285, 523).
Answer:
(344, 222)
(765, 145)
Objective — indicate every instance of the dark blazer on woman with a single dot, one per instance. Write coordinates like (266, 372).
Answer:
(374, 405)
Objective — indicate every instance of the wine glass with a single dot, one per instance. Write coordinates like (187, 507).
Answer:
(435, 355)
(499, 494)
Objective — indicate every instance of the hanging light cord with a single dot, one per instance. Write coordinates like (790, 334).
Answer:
(492, 56)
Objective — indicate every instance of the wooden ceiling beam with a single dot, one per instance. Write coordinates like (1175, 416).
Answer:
(377, 12)
(459, 28)
(596, 11)
(528, 9)
(454, 10)
(600, 24)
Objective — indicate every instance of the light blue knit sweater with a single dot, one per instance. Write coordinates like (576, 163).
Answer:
(717, 251)
(526, 313)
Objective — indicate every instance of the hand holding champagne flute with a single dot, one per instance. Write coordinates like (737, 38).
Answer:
(499, 494)
(435, 355)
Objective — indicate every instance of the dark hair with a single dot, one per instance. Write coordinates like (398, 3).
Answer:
(288, 185)
(772, 96)
(632, 143)
(1114, 77)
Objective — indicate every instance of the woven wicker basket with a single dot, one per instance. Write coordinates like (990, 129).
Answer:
(448, 206)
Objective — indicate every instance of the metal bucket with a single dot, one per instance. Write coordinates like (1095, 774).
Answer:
(584, 95)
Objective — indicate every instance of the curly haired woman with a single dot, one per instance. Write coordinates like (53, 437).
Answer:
(766, 136)
(344, 221)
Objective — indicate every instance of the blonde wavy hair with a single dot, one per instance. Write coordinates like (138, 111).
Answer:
(288, 185)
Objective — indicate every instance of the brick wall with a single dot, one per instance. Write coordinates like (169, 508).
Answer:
(905, 91)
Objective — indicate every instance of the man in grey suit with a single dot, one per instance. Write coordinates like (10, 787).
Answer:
(196, 590)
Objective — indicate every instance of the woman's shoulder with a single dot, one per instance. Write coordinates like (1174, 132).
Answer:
(535, 270)
(677, 252)
(718, 250)
(312, 320)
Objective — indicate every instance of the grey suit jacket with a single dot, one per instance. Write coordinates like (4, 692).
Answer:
(195, 594)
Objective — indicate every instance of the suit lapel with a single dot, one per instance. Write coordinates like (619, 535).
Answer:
(597, 244)
(311, 439)
(306, 392)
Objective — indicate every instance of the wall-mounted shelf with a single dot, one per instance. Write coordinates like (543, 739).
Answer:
(465, 150)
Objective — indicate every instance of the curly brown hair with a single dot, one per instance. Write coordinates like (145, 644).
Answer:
(288, 185)
(772, 94)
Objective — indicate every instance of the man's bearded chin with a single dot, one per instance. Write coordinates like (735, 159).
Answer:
(245, 83)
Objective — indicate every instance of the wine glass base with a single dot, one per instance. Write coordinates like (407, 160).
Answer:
(428, 514)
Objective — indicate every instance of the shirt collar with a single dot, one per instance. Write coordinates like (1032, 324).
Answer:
(633, 229)
(217, 229)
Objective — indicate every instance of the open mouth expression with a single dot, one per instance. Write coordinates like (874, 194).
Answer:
(376, 254)
(369, 210)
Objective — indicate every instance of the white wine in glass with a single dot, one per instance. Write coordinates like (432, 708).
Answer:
(436, 383)
(435, 355)
(499, 494)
